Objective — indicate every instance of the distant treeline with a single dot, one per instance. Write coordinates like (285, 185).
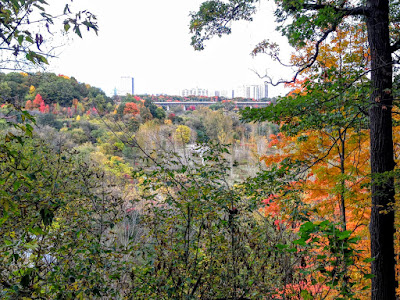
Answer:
(17, 88)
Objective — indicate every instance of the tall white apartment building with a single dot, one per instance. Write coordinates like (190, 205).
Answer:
(195, 92)
(254, 91)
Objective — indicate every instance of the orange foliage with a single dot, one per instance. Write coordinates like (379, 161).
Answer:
(29, 105)
(338, 168)
(63, 76)
(131, 108)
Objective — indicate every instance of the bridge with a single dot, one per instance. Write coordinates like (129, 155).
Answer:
(187, 104)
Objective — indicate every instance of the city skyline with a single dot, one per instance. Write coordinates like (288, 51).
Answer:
(154, 48)
(254, 91)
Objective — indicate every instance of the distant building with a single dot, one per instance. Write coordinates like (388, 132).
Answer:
(195, 92)
(256, 92)
(126, 86)
(265, 90)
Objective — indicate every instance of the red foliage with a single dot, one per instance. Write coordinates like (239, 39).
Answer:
(271, 207)
(171, 116)
(38, 101)
(42, 107)
(131, 108)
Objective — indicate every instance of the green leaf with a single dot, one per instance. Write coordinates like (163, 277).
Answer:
(16, 185)
(31, 245)
(344, 234)
(20, 39)
(307, 227)
(78, 31)
(306, 295)
(370, 259)
(281, 247)
(67, 27)
(29, 39)
(44, 60)
(300, 242)
(37, 231)
(4, 218)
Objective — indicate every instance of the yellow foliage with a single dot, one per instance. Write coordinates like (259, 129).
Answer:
(182, 134)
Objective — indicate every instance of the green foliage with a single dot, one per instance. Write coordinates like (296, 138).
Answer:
(57, 214)
(20, 38)
(328, 105)
(145, 113)
(132, 124)
(120, 110)
(204, 240)
(160, 113)
(334, 252)
(189, 232)
(155, 111)
(58, 89)
(213, 18)
(53, 88)
(49, 120)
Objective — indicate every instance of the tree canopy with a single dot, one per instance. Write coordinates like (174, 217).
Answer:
(309, 22)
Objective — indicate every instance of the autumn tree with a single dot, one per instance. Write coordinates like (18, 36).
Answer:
(131, 108)
(315, 22)
(182, 134)
(29, 105)
(38, 101)
(330, 143)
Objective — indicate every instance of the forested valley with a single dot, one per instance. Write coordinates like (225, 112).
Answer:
(119, 198)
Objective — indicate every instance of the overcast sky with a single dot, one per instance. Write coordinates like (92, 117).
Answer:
(150, 41)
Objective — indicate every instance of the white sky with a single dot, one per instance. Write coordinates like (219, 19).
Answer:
(150, 41)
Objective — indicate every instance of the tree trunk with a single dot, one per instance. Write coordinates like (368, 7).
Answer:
(382, 210)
